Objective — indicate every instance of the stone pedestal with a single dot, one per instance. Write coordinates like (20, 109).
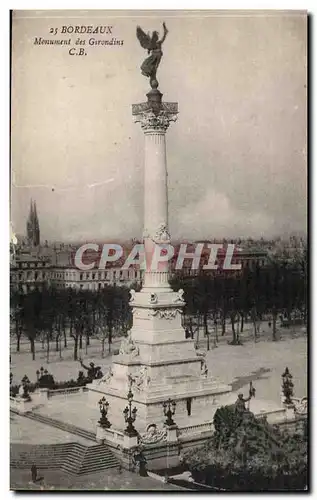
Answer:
(289, 411)
(130, 441)
(171, 435)
(156, 361)
(21, 405)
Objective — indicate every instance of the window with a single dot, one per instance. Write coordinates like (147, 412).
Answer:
(81, 276)
(93, 275)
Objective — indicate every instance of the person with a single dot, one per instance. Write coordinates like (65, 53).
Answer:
(142, 465)
(34, 473)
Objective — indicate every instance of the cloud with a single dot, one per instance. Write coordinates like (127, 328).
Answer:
(213, 216)
(236, 156)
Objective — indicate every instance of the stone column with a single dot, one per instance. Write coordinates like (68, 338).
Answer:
(155, 118)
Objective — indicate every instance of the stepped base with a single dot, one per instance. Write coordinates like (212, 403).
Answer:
(158, 363)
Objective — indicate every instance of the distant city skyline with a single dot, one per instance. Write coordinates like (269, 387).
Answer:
(236, 156)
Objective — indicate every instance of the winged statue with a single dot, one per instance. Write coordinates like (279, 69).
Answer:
(154, 47)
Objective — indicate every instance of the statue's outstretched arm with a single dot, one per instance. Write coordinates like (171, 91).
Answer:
(165, 33)
(84, 366)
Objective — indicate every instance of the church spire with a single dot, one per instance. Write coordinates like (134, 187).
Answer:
(32, 226)
(36, 226)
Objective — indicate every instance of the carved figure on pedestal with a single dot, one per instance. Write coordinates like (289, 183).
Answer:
(240, 402)
(153, 435)
(301, 406)
(162, 235)
(141, 379)
(93, 372)
(107, 377)
(154, 47)
(129, 347)
(131, 381)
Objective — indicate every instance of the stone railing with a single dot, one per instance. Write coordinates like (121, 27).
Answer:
(195, 429)
(66, 390)
(269, 413)
(114, 436)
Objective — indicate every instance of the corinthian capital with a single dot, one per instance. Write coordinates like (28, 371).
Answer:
(152, 120)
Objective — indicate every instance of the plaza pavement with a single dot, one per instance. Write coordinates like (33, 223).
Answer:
(105, 480)
(261, 362)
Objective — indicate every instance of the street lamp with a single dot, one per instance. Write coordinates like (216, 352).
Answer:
(287, 386)
(169, 410)
(25, 384)
(130, 416)
(103, 406)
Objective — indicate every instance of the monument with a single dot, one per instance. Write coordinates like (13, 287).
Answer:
(156, 361)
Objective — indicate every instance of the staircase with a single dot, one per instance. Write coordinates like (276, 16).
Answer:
(22, 456)
(98, 457)
(73, 458)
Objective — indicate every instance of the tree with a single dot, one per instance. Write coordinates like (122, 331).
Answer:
(245, 454)
(30, 315)
(16, 308)
(47, 315)
(78, 318)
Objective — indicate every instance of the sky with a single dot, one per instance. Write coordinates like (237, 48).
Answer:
(236, 156)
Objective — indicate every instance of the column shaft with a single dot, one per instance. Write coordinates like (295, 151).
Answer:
(155, 183)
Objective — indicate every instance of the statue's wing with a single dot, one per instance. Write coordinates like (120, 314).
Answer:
(143, 38)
